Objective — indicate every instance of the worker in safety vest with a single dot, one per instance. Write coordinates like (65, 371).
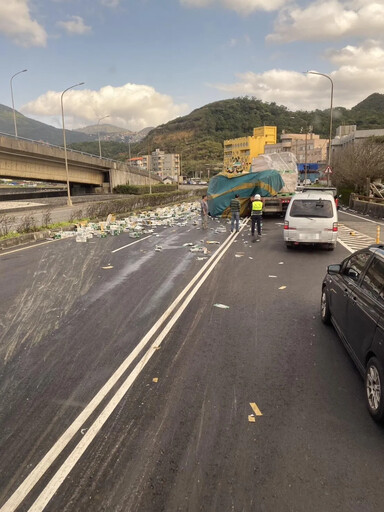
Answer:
(256, 215)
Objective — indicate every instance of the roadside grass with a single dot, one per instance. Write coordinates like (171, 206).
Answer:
(50, 227)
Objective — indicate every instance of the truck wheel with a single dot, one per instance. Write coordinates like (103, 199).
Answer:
(374, 381)
(289, 245)
(325, 312)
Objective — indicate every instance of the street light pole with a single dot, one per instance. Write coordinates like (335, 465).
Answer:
(330, 121)
(98, 132)
(69, 201)
(149, 172)
(13, 103)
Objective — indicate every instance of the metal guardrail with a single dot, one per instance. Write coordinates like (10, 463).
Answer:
(131, 169)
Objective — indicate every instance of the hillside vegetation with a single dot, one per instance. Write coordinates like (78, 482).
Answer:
(198, 137)
(35, 130)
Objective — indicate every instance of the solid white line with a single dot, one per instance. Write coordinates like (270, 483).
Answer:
(132, 243)
(344, 245)
(363, 218)
(92, 431)
(29, 247)
(25, 487)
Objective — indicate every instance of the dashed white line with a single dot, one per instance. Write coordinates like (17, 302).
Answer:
(132, 243)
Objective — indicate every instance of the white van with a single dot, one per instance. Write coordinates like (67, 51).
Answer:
(311, 218)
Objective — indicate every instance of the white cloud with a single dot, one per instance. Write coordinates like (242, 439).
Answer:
(240, 6)
(17, 24)
(130, 106)
(75, 26)
(360, 74)
(369, 55)
(327, 20)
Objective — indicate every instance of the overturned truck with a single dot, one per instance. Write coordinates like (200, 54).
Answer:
(274, 177)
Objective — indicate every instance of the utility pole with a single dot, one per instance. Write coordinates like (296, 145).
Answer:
(149, 172)
(305, 158)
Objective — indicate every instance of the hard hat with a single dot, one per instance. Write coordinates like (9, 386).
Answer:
(257, 197)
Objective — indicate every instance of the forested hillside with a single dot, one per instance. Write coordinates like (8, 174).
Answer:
(198, 137)
(35, 130)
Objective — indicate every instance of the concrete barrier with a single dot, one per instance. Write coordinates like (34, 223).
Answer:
(121, 207)
(367, 207)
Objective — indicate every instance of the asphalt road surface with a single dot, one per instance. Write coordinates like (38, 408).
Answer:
(126, 388)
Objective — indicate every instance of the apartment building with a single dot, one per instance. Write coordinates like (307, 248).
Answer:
(349, 134)
(160, 163)
(242, 150)
(307, 147)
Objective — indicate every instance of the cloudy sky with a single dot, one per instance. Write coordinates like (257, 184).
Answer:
(144, 62)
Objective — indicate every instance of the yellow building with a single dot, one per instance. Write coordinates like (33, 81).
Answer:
(239, 152)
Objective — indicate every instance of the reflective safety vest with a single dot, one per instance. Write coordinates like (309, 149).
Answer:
(257, 207)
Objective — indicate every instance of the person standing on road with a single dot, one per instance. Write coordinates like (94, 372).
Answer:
(204, 212)
(256, 215)
(235, 213)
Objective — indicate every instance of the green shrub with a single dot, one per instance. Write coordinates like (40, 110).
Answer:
(143, 189)
(345, 193)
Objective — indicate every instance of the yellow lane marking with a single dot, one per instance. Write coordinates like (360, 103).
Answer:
(255, 409)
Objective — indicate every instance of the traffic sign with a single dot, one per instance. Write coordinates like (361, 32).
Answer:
(328, 170)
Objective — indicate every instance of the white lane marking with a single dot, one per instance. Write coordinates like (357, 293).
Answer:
(132, 243)
(355, 242)
(27, 485)
(59, 477)
(345, 245)
(29, 247)
(363, 218)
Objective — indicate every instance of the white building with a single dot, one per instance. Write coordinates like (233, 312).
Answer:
(348, 134)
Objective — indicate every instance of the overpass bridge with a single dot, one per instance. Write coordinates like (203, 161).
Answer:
(39, 161)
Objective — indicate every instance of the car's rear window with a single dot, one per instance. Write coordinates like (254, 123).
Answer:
(312, 208)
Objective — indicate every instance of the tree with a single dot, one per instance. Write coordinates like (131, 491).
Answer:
(357, 162)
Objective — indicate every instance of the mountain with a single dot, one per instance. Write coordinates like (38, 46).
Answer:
(109, 132)
(35, 130)
(374, 102)
(103, 129)
(199, 136)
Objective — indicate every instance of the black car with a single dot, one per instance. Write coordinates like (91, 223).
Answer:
(352, 299)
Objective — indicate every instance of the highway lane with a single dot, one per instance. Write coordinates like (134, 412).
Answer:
(184, 442)
(362, 224)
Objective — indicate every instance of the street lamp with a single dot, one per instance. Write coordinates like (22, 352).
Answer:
(98, 132)
(13, 103)
(69, 201)
(330, 121)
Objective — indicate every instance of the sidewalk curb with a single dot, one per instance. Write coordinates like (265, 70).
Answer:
(24, 239)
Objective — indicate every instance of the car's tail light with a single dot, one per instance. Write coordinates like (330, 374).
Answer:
(286, 225)
(334, 228)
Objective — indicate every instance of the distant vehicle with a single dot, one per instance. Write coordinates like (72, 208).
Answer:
(352, 299)
(203, 183)
(330, 190)
(311, 218)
